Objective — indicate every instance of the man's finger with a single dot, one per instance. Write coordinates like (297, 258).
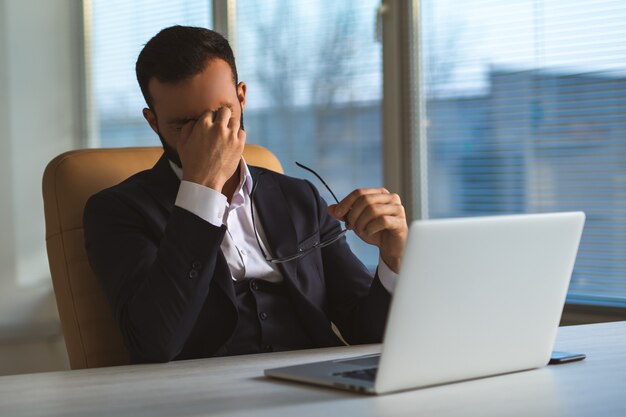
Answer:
(332, 211)
(241, 136)
(345, 205)
(366, 200)
(235, 121)
(373, 212)
(206, 120)
(223, 116)
(383, 223)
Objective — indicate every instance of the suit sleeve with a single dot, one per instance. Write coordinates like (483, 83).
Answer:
(156, 286)
(358, 302)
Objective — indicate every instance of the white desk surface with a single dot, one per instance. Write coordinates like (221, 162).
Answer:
(235, 386)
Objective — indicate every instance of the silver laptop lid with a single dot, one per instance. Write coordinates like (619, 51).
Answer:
(477, 297)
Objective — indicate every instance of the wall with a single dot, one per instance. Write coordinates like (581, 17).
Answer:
(40, 99)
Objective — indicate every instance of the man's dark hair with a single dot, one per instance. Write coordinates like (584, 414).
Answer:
(179, 52)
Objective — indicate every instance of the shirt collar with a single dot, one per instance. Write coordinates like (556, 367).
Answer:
(245, 182)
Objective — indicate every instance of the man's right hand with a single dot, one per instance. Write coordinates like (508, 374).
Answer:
(211, 147)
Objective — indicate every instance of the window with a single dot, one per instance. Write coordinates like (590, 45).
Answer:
(119, 30)
(313, 71)
(525, 111)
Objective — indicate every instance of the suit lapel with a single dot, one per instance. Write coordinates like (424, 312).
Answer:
(163, 186)
(273, 213)
(278, 224)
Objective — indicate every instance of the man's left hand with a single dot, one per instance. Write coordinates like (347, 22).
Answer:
(377, 217)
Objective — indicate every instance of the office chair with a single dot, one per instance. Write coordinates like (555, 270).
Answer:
(91, 335)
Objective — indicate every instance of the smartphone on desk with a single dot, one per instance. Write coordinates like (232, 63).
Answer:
(559, 357)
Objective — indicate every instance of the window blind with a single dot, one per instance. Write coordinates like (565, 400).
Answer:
(525, 111)
(314, 76)
(119, 29)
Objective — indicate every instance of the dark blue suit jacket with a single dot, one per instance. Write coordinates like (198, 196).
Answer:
(168, 283)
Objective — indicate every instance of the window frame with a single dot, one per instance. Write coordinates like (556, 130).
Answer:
(575, 311)
(404, 143)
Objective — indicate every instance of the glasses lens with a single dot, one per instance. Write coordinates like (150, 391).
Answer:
(307, 251)
(333, 240)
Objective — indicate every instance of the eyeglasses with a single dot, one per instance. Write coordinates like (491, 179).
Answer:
(301, 251)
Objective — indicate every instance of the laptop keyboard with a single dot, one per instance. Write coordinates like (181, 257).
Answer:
(364, 374)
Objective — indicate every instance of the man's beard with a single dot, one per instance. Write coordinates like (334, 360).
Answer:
(172, 154)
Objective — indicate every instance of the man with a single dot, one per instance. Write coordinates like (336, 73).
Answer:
(203, 255)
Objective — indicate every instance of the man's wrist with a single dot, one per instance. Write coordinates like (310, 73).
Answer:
(393, 262)
(207, 182)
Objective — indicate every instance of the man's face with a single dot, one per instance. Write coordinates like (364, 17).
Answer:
(178, 103)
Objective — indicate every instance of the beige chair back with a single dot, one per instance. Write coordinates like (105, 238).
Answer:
(91, 335)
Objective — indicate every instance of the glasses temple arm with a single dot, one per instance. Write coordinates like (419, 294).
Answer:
(319, 178)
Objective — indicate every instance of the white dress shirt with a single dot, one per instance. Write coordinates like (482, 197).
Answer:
(240, 246)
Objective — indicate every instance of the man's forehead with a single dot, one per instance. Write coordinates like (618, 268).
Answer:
(195, 93)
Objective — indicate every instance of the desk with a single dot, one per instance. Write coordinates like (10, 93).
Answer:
(235, 386)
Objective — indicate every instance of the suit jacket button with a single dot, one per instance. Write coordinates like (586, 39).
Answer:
(196, 265)
(263, 315)
(268, 348)
(193, 274)
(254, 286)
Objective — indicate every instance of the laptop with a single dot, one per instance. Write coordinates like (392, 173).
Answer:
(475, 297)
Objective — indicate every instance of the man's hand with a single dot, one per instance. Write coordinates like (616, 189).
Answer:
(211, 147)
(377, 217)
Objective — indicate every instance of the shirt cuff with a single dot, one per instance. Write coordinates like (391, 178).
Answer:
(202, 201)
(386, 276)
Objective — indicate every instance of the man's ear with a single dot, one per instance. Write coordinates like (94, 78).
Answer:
(241, 94)
(151, 119)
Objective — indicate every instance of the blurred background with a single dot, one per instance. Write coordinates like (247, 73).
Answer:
(477, 107)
